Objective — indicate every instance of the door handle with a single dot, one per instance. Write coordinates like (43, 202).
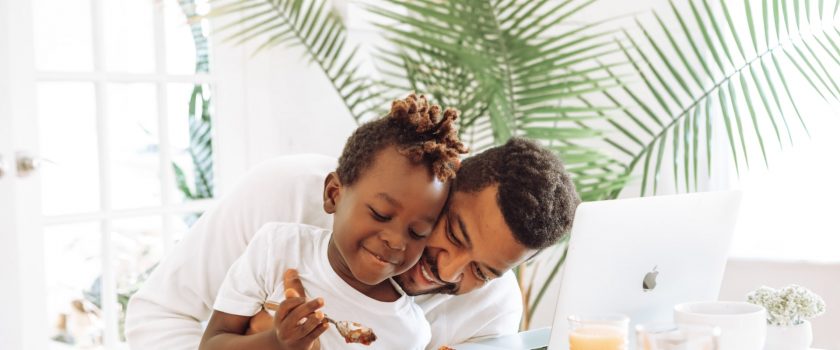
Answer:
(2, 167)
(26, 164)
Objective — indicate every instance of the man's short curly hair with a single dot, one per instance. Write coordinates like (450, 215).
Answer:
(414, 126)
(536, 194)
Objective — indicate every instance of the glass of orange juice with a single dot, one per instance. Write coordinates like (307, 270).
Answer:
(598, 332)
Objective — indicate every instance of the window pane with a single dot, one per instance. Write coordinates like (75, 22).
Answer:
(67, 127)
(133, 136)
(138, 247)
(62, 35)
(73, 270)
(129, 35)
(180, 48)
(191, 144)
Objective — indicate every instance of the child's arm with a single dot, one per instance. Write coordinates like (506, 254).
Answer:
(224, 332)
(297, 326)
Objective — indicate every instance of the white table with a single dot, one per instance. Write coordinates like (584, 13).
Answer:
(529, 340)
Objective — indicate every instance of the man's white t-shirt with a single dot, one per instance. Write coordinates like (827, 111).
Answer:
(168, 310)
(257, 277)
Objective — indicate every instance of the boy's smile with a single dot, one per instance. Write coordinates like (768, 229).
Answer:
(383, 219)
(386, 259)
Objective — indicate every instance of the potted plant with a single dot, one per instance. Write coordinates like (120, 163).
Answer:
(788, 311)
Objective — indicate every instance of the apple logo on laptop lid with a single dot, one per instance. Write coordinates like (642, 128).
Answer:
(649, 282)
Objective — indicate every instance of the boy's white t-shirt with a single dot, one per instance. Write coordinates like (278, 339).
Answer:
(257, 277)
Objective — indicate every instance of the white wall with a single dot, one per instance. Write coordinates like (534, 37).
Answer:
(271, 104)
(274, 102)
(292, 108)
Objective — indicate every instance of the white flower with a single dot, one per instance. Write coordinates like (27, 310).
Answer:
(788, 306)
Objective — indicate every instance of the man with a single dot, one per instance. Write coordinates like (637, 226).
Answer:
(507, 203)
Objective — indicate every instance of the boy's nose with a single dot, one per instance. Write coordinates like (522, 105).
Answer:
(393, 241)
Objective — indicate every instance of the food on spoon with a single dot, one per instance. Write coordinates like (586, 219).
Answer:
(353, 332)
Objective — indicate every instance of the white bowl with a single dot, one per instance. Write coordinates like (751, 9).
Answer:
(743, 325)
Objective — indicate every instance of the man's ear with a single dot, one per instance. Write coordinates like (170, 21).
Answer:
(332, 191)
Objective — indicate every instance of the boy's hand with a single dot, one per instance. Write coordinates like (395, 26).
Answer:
(298, 323)
(263, 320)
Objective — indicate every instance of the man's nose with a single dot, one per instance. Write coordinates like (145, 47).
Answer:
(451, 268)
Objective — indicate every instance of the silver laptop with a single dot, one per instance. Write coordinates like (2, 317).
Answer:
(641, 256)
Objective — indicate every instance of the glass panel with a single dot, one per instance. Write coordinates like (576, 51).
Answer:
(73, 269)
(138, 247)
(67, 127)
(133, 154)
(180, 47)
(129, 35)
(188, 143)
(62, 35)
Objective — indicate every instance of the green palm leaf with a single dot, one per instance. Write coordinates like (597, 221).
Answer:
(313, 25)
(199, 119)
(730, 72)
(507, 77)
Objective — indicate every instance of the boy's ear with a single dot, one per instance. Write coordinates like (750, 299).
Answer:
(332, 190)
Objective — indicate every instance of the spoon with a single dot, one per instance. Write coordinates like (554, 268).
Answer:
(353, 332)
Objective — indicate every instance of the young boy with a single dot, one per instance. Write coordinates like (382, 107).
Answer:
(387, 193)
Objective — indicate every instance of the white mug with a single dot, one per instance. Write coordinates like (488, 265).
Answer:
(743, 325)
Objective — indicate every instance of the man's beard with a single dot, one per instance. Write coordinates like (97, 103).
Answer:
(431, 262)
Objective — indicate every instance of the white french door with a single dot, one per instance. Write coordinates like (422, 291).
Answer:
(94, 105)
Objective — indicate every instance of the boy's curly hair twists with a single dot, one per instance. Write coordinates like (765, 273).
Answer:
(415, 127)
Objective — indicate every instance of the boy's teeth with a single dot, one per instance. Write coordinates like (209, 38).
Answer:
(382, 259)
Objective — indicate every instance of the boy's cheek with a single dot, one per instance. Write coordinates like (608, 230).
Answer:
(414, 253)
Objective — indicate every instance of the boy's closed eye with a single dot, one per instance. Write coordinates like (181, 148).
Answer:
(377, 216)
(385, 218)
